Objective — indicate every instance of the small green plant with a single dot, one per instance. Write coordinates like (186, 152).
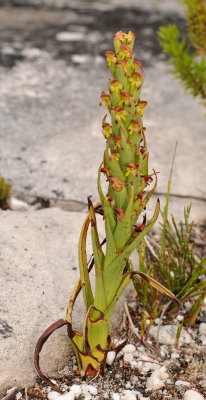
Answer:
(5, 191)
(188, 65)
(174, 265)
(125, 167)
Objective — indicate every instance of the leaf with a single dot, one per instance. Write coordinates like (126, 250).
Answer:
(100, 300)
(158, 287)
(84, 275)
(113, 272)
(43, 338)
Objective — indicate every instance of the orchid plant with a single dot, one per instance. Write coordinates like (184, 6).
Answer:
(125, 167)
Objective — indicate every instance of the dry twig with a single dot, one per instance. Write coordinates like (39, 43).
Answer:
(11, 394)
(137, 334)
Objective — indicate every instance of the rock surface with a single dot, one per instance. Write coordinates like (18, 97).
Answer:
(52, 72)
(39, 268)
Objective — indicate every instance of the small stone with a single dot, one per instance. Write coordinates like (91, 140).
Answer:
(128, 357)
(76, 389)
(32, 53)
(92, 389)
(53, 395)
(115, 396)
(192, 395)
(129, 348)
(168, 333)
(183, 383)
(128, 395)
(69, 36)
(202, 328)
(154, 383)
(110, 357)
(67, 396)
(18, 395)
(134, 364)
(17, 205)
(80, 58)
(174, 355)
(203, 339)
(180, 317)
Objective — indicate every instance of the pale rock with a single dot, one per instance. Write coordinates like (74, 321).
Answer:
(69, 36)
(89, 390)
(128, 395)
(67, 396)
(92, 390)
(203, 339)
(128, 357)
(168, 333)
(53, 395)
(156, 380)
(32, 53)
(18, 396)
(134, 364)
(180, 318)
(202, 328)
(76, 389)
(17, 205)
(183, 383)
(192, 395)
(80, 58)
(115, 396)
(110, 357)
(129, 348)
(175, 355)
(154, 383)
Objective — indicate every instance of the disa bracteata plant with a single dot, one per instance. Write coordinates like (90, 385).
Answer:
(125, 167)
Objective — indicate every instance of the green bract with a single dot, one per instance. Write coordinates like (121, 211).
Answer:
(125, 167)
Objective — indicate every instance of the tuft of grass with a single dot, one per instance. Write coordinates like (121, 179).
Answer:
(175, 266)
(5, 191)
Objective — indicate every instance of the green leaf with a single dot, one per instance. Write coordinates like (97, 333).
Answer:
(83, 267)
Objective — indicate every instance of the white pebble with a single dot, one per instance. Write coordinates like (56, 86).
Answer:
(17, 205)
(32, 53)
(180, 317)
(115, 396)
(110, 357)
(67, 396)
(89, 389)
(76, 389)
(134, 364)
(69, 36)
(128, 357)
(18, 395)
(154, 383)
(128, 395)
(129, 348)
(202, 328)
(192, 395)
(92, 389)
(183, 383)
(168, 333)
(203, 339)
(53, 395)
(174, 355)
